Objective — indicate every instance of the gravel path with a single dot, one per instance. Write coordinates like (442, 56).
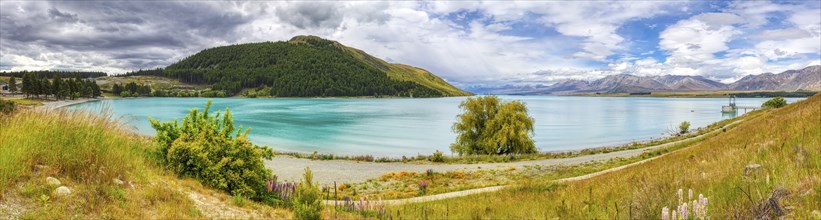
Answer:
(347, 171)
(66, 102)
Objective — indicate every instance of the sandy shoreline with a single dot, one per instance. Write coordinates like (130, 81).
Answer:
(63, 103)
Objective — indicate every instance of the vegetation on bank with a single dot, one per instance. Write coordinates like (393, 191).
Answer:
(776, 102)
(58, 88)
(765, 164)
(209, 148)
(7, 107)
(490, 126)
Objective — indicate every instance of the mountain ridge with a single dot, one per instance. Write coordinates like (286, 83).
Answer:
(808, 78)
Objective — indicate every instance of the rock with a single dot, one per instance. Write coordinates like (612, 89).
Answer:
(62, 191)
(751, 168)
(52, 181)
(118, 181)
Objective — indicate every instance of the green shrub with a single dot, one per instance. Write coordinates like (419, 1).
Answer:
(308, 199)
(7, 107)
(684, 127)
(490, 126)
(776, 102)
(207, 148)
(437, 157)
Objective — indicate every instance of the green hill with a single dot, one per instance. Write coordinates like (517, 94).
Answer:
(305, 66)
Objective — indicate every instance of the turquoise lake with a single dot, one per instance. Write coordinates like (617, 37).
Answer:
(396, 127)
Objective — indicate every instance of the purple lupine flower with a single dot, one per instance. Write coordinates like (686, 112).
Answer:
(690, 194)
(680, 195)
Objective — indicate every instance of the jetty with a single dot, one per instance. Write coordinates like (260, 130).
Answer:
(733, 108)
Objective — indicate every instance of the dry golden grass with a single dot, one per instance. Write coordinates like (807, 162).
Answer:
(87, 152)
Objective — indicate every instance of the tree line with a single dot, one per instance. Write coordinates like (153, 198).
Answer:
(51, 74)
(133, 89)
(291, 70)
(70, 88)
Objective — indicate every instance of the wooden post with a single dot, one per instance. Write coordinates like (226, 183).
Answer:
(335, 194)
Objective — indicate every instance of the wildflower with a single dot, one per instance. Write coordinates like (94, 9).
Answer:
(690, 194)
(665, 213)
(680, 195)
(673, 216)
(423, 187)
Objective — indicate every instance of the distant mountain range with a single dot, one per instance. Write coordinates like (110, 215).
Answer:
(808, 78)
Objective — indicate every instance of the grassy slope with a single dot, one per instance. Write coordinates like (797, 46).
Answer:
(87, 152)
(409, 73)
(784, 141)
(157, 83)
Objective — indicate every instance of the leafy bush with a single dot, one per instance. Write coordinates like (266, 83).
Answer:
(7, 107)
(490, 126)
(684, 127)
(776, 102)
(207, 148)
(308, 199)
(437, 157)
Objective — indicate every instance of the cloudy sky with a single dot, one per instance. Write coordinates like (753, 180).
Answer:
(471, 44)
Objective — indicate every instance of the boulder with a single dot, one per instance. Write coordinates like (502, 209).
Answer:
(53, 181)
(62, 191)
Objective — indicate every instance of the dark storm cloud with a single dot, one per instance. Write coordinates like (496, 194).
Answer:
(145, 30)
(311, 15)
(60, 16)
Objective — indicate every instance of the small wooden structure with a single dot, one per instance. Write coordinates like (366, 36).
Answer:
(733, 108)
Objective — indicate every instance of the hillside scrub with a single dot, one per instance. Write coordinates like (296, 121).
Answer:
(209, 148)
(776, 102)
(769, 161)
(307, 203)
(490, 126)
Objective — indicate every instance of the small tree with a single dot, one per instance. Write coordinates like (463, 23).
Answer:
(13, 85)
(308, 199)
(490, 126)
(776, 102)
(684, 127)
(56, 87)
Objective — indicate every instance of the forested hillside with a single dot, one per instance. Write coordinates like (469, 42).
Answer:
(305, 66)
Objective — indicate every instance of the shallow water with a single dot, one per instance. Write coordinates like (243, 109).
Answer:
(396, 127)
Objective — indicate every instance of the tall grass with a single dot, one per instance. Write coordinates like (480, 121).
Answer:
(83, 146)
(87, 152)
(785, 142)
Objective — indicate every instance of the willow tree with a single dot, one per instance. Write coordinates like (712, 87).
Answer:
(490, 126)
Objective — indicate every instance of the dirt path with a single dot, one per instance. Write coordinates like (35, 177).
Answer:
(346, 171)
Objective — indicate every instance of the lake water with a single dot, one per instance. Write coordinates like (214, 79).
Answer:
(396, 127)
